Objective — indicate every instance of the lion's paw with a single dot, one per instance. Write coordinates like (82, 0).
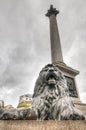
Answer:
(72, 115)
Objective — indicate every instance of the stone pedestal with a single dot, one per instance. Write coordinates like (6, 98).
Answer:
(70, 77)
(69, 74)
(42, 125)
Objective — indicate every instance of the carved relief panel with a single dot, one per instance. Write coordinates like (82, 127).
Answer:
(71, 86)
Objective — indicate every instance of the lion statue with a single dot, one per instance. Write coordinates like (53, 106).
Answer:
(51, 99)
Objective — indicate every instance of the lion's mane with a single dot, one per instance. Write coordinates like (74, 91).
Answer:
(51, 96)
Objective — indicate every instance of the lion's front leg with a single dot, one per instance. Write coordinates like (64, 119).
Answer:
(64, 109)
(44, 110)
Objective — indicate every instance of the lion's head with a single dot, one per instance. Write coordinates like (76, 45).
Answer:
(51, 77)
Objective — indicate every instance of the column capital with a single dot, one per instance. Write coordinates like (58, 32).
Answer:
(52, 11)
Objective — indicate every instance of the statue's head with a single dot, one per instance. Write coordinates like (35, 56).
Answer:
(51, 77)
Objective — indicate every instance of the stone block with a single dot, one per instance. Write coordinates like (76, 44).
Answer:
(42, 125)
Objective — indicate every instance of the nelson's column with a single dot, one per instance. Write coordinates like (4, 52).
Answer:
(57, 59)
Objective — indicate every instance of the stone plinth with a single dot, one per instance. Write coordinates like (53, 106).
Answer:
(42, 125)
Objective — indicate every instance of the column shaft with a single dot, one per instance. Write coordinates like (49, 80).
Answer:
(56, 52)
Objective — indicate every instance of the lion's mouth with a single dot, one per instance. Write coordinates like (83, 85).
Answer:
(51, 78)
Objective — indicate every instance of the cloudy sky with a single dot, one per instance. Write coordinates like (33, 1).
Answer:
(25, 43)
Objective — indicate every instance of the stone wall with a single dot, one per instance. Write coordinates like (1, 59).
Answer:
(42, 125)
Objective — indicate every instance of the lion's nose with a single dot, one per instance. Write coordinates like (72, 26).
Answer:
(51, 69)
